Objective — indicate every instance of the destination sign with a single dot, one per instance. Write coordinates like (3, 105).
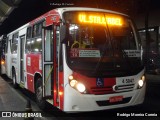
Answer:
(95, 19)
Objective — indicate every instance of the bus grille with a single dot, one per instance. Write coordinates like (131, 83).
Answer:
(109, 89)
(125, 88)
(102, 90)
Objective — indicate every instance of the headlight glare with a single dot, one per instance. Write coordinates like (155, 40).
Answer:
(140, 83)
(80, 87)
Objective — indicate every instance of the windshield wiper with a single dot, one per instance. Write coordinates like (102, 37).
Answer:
(110, 46)
(101, 58)
(106, 46)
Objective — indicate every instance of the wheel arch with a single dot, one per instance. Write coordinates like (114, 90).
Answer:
(36, 76)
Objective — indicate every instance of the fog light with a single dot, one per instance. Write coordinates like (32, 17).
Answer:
(81, 87)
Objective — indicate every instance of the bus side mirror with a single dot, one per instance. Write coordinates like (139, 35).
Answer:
(63, 33)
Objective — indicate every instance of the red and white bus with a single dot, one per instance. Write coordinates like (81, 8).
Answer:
(78, 59)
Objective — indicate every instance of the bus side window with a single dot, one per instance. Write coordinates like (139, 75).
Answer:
(14, 43)
(36, 42)
(28, 46)
(28, 40)
(29, 31)
(37, 30)
(6, 46)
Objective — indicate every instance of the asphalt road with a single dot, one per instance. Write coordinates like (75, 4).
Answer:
(16, 99)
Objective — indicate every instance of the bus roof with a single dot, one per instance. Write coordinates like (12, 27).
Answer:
(65, 9)
(60, 11)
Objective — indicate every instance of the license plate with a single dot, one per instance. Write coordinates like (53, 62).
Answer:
(115, 99)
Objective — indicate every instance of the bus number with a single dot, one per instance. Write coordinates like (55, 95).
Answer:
(128, 81)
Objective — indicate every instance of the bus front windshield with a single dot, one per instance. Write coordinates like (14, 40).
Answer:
(102, 44)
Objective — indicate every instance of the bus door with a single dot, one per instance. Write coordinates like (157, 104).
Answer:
(22, 44)
(50, 65)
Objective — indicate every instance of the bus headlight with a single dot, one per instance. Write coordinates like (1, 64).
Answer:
(76, 85)
(73, 83)
(80, 87)
(141, 82)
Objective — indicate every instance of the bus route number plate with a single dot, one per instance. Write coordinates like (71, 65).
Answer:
(116, 99)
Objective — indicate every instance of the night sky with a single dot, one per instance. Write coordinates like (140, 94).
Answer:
(30, 9)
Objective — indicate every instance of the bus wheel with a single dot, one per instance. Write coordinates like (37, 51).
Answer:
(15, 85)
(39, 94)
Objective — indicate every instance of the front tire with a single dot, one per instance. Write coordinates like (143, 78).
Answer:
(39, 94)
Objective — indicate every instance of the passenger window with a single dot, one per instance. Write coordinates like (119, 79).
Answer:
(29, 31)
(6, 46)
(36, 45)
(37, 30)
(28, 46)
(14, 43)
(36, 42)
(28, 40)
(34, 38)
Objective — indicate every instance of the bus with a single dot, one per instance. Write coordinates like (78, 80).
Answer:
(78, 59)
(2, 56)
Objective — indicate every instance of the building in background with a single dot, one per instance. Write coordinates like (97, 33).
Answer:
(153, 45)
